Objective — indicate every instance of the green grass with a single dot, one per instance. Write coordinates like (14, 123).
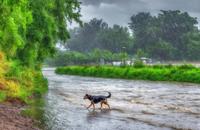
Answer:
(22, 83)
(183, 73)
(2, 96)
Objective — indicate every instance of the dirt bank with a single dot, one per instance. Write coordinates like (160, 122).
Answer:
(11, 119)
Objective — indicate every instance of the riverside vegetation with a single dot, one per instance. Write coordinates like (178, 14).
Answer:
(183, 73)
(20, 82)
(29, 31)
(172, 35)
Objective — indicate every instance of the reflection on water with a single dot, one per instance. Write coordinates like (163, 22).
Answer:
(138, 105)
(92, 115)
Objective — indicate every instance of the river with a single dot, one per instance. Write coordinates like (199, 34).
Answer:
(135, 105)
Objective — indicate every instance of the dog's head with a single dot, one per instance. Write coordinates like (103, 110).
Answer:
(86, 96)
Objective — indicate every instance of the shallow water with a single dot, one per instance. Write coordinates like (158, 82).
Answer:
(135, 105)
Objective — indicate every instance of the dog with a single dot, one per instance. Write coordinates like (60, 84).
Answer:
(97, 99)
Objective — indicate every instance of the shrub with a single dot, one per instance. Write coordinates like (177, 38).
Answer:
(138, 64)
(187, 66)
(17, 81)
(2, 96)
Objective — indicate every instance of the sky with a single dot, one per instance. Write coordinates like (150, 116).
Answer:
(120, 11)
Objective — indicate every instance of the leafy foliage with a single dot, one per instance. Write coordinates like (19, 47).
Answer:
(77, 58)
(49, 26)
(29, 31)
(97, 34)
(15, 17)
(169, 36)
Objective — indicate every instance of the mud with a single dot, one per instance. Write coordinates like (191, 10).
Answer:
(12, 119)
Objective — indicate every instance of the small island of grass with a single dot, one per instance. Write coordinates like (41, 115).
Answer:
(183, 73)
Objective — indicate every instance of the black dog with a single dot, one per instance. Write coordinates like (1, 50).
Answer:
(97, 99)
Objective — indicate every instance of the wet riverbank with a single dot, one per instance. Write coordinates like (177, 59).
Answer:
(12, 119)
(140, 105)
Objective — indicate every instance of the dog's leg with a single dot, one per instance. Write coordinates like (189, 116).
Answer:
(101, 105)
(93, 106)
(106, 103)
(89, 106)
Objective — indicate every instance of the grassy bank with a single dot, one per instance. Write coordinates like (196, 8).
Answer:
(183, 73)
(20, 83)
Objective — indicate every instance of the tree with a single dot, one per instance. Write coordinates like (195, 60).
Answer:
(48, 26)
(15, 17)
(115, 39)
(29, 31)
(144, 29)
(161, 50)
(192, 42)
(173, 26)
(97, 34)
(84, 39)
(162, 37)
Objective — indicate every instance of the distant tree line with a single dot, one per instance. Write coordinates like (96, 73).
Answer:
(97, 34)
(171, 35)
(95, 57)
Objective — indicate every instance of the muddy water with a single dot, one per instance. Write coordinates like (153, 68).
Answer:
(135, 105)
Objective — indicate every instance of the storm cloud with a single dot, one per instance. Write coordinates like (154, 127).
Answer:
(120, 11)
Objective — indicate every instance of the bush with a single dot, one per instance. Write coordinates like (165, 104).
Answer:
(138, 64)
(17, 81)
(2, 96)
(187, 66)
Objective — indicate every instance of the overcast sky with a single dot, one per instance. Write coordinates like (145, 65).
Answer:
(120, 11)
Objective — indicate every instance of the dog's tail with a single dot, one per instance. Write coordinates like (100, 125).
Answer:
(109, 95)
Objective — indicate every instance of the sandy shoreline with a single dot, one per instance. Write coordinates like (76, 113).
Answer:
(11, 119)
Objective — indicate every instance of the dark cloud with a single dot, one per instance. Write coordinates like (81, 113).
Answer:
(184, 5)
(118, 2)
(119, 11)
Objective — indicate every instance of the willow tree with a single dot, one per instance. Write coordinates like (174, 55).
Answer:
(30, 29)
(15, 17)
(49, 25)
